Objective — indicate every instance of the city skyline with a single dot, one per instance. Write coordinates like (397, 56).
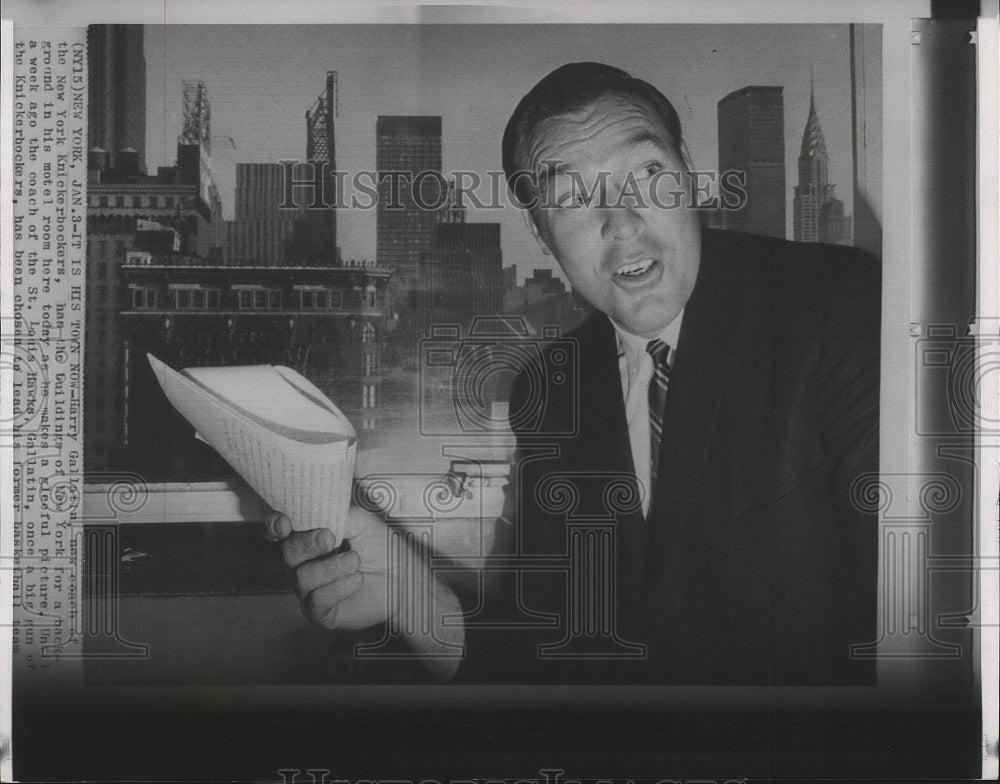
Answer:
(257, 117)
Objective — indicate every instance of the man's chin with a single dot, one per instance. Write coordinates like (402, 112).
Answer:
(643, 328)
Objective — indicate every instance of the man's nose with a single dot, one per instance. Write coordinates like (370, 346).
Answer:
(620, 223)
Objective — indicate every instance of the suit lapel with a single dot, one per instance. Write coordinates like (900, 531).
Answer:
(701, 369)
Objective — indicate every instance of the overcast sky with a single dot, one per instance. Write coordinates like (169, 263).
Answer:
(262, 79)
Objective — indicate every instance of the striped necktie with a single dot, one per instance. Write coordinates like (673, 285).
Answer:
(660, 352)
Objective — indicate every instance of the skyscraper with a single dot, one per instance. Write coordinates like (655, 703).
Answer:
(405, 148)
(116, 91)
(752, 140)
(818, 214)
(409, 146)
(260, 230)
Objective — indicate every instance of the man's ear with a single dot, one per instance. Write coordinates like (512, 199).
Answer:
(532, 222)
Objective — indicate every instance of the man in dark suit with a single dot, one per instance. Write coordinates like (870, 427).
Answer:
(723, 412)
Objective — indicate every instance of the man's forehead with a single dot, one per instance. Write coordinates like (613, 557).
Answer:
(605, 126)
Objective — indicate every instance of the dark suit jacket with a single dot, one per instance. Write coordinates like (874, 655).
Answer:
(757, 563)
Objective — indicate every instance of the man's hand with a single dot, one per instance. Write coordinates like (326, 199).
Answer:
(343, 591)
(350, 590)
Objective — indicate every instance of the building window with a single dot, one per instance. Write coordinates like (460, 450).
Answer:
(368, 333)
(120, 249)
(370, 364)
(318, 298)
(195, 297)
(370, 296)
(314, 298)
(168, 201)
(143, 297)
(137, 201)
(102, 201)
(154, 202)
(102, 247)
(368, 396)
(119, 201)
(259, 298)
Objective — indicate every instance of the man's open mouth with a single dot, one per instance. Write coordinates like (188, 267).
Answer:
(635, 269)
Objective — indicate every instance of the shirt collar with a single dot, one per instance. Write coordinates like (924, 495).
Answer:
(633, 347)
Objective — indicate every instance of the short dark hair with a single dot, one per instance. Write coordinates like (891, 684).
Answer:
(569, 89)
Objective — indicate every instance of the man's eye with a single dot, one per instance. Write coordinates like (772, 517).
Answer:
(649, 169)
(572, 199)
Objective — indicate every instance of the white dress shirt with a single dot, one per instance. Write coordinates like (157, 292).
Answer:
(636, 368)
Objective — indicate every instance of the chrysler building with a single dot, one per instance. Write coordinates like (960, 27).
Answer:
(818, 214)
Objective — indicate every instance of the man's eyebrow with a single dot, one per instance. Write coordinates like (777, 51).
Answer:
(549, 168)
(645, 136)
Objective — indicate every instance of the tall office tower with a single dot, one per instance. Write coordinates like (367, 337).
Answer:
(260, 230)
(259, 191)
(405, 148)
(752, 140)
(409, 146)
(116, 91)
(818, 214)
(314, 239)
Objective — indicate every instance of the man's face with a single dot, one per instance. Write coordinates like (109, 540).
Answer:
(635, 261)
